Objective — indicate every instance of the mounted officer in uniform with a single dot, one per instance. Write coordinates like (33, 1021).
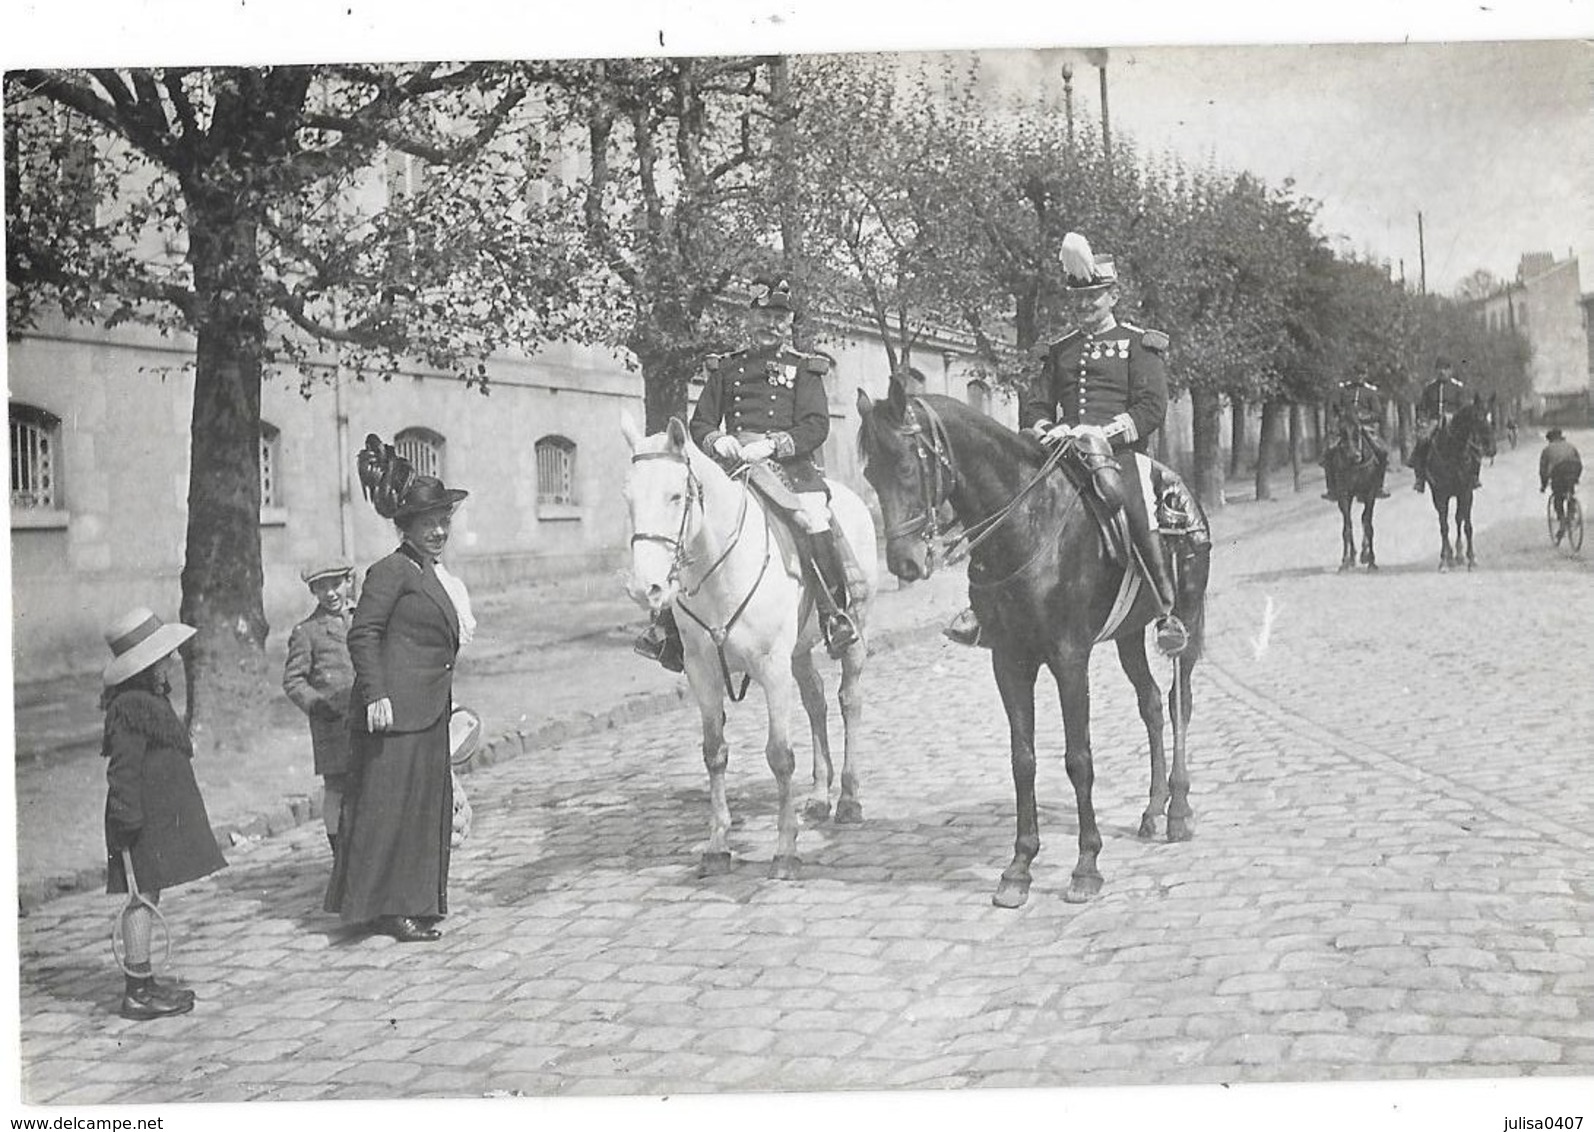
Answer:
(1439, 401)
(1361, 403)
(1105, 384)
(766, 406)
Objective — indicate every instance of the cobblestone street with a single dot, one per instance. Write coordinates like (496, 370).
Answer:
(1390, 879)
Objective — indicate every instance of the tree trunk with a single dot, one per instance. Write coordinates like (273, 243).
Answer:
(1404, 429)
(1267, 440)
(1205, 410)
(225, 667)
(1295, 445)
(1236, 435)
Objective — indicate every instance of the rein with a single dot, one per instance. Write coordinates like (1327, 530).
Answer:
(694, 494)
(936, 452)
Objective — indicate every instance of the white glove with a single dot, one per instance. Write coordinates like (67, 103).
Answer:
(727, 447)
(1057, 434)
(379, 715)
(758, 450)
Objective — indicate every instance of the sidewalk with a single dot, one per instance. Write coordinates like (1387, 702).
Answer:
(550, 661)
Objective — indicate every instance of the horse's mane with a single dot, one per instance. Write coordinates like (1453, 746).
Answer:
(1023, 448)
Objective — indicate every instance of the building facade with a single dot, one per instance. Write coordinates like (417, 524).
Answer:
(1545, 305)
(99, 443)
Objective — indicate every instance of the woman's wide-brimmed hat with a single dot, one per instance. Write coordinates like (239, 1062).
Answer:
(427, 493)
(138, 640)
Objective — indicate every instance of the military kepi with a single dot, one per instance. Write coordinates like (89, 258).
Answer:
(1082, 270)
(772, 295)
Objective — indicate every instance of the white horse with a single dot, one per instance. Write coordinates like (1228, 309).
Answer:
(705, 542)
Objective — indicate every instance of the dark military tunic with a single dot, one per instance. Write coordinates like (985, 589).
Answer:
(777, 394)
(1360, 402)
(1116, 380)
(1441, 398)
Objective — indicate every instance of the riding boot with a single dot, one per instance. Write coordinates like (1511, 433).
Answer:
(661, 641)
(824, 558)
(1172, 636)
(1383, 469)
(1419, 465)
(1329, 486)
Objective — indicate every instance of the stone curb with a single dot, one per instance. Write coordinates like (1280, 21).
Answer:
(296, 811)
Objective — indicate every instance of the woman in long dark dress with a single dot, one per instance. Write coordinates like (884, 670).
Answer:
(153, 809)
(392, 860)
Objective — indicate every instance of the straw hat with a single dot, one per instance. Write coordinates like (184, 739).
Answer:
(138, 640)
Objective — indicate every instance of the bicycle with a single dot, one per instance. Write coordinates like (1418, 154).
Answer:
(1570, 527)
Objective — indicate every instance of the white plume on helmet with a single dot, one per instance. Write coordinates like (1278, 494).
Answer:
(1083, 268)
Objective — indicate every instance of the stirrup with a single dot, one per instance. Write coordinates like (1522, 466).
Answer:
(841, 633)
(657, 645)
(966, 629)
(1172, 637)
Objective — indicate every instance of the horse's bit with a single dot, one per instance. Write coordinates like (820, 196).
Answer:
(937, 484)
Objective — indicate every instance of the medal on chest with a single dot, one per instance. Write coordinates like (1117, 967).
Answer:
(777, 374)
(1113, 350)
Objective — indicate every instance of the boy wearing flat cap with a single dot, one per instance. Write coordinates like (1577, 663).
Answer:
(319, 676)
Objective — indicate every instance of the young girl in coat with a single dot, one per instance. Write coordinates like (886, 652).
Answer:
(152, 805)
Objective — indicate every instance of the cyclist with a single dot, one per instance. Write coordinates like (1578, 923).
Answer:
(1560, 467)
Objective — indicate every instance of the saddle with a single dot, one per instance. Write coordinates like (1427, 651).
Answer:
(783, 505)
(1177, 515)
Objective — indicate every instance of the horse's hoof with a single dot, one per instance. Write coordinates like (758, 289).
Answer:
(849, 811)
(1343, 566)
(783, 868)
(1082, 889)
(816, 810)
(1371, 567)
(1148, 827)
(1179, 829)
(714, 865)
(1011, 893)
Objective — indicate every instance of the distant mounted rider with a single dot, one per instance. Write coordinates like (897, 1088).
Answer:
(1360, 403)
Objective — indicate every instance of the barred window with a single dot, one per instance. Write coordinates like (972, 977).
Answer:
(270, 452)
(35, 442)
(423, 448)
(979, 395)
(556, 471)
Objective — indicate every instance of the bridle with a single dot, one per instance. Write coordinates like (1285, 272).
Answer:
(938, 478)
(681, 560)
(938, 474)
(694, 495)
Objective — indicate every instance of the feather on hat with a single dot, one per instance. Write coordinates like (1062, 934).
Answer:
(1082, 268)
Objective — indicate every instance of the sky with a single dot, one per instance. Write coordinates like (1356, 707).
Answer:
(1492, 142)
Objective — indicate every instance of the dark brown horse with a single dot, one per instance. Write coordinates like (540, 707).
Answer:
(1455, 456)
(1355, 471)
(1043, 590)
